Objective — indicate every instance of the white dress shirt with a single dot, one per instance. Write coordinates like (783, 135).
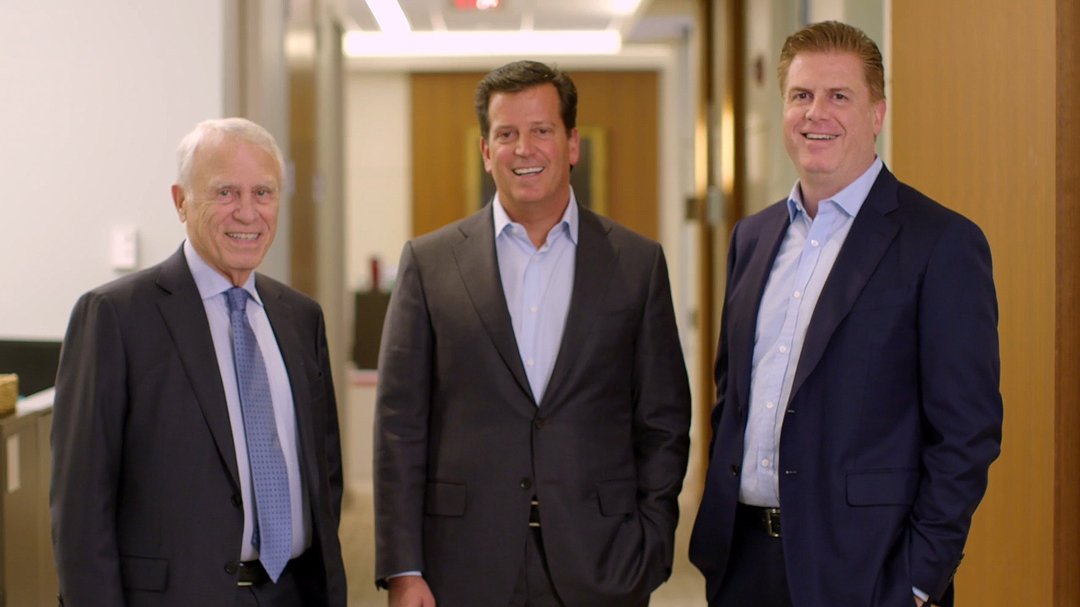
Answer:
(212, 287)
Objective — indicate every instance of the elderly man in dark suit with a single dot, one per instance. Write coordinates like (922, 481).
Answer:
(533, 408)
(196, 458)
(857, 375)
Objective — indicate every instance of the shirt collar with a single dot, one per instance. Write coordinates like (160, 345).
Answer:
(849, 199)
(209, 281)
(569, 217)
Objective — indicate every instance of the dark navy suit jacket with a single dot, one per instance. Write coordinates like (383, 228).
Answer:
(895, 413)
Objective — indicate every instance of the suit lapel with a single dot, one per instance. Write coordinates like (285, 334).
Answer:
(185, 316)
(594, 265)
(475, 257)
(762, 248)
(284, 322)
(871, 234)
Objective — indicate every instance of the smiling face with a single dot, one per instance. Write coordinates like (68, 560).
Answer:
(830, 121)
(528, 151)
(231, 210)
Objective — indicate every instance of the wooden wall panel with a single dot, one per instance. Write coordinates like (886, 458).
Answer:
(442, 113)
(1067, 419)
(623, 104)
(975, 115)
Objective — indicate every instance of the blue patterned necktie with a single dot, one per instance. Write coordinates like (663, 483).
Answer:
(272, 535)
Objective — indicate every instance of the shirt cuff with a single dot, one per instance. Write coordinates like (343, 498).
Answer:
(922, 595)
(403, 574)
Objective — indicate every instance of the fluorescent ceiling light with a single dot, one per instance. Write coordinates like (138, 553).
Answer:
(389, 15)
(489, 43)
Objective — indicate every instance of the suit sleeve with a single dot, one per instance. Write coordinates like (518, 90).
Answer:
(661, 395)
(336, 585)
(961, 402)
(401, 425)
(87, 437)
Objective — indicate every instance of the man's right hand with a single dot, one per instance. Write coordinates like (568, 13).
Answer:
(410, 591)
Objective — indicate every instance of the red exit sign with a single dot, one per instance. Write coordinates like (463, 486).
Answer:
(471, 5)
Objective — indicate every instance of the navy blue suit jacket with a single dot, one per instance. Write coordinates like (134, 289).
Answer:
(895, 412)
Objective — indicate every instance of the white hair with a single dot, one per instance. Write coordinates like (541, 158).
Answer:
(217, 130)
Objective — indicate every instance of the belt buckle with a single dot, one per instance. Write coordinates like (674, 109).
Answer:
(771, 520)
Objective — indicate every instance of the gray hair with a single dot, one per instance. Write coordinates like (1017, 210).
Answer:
(216, 131)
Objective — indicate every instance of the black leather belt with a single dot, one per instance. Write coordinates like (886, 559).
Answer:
(766, 519)
(251, 573)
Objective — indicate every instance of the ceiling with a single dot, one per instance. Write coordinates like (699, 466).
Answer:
(630, 17)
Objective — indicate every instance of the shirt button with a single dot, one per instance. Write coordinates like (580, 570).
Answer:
(798, 294)
(533, 309)
(765, 463)
(770, 405)
(783, 349)
(536, 258)
(814, 243)
(530, 363)
(514, 230)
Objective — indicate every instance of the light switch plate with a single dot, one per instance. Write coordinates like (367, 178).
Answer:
(124, 248)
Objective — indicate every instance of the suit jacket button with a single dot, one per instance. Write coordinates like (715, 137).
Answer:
(538, 423)
(526, 483)
(236, 501)
(231, 568)
(734, 470)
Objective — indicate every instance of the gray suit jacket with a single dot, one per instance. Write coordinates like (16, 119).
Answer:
(461, 446)
(145, 494)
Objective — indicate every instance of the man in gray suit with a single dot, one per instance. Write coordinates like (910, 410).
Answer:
(533, 408)
(196, 458)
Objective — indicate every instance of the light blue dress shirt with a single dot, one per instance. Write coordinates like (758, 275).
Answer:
(537, 284)
(212, 287)
(802, 265)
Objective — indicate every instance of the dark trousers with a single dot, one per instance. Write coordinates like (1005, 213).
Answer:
(755, 574)
(534, 587)
(287, 592)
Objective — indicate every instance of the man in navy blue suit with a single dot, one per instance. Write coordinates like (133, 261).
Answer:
(857, 373)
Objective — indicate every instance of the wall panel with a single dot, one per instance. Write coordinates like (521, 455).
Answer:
(975, 110)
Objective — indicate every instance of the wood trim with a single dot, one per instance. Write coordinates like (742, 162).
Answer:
(1067, 364)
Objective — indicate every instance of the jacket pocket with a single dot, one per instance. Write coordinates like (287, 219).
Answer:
(143, 573)
(617, 497)
(444, 499)
(894, 487)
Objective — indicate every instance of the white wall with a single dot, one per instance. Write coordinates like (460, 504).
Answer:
(95, 97)
(378, 176)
